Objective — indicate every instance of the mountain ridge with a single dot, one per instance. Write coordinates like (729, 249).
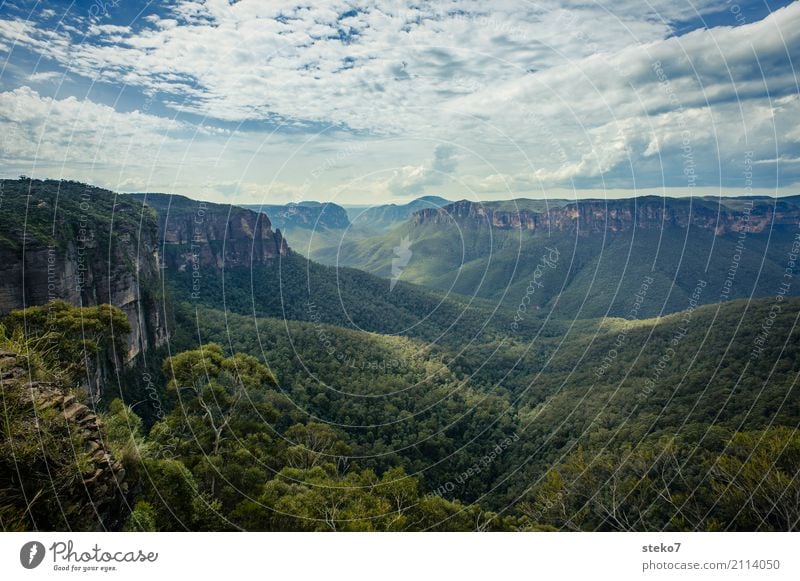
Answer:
(196, 233)
(586, 216)
(307, 215)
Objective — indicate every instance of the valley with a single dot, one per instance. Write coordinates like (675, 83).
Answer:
(616, 365)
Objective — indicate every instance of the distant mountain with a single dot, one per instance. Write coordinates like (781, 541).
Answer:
(317, 229)
(221, 255)
(606, 250)
(377, 218)
(308, 215)
(586, 217)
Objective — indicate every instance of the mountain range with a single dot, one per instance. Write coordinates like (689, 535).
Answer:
(510, 355)
(606, 248)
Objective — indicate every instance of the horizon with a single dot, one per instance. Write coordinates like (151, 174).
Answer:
(405, 201)
(614, 195)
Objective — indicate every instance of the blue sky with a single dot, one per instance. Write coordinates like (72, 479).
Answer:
(371, 101)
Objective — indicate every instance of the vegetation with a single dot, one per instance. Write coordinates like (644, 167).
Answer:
(49, 473)
(70, 342)
(596, 275)
(295, 396)
(62, 212)
(297, 289)
(242, 449)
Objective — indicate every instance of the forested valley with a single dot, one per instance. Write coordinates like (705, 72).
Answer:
(188, 370)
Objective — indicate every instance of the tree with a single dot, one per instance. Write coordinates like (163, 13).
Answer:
(222, 429)
(757, 481)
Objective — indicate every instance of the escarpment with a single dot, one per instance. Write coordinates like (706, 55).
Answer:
(588, 217)
(196, 234)
(86, 245)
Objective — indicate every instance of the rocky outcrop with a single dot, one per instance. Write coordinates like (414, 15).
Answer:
(105, 482)
(596, 216)
(100, 490)
(196, 234)
(88, 246)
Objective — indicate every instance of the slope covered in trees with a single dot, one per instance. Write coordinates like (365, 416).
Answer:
(294, 396)
(605, 249)
(292, 437)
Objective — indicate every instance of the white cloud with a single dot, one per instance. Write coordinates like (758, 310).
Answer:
(45, 77)
(73, 130)
(530, 94)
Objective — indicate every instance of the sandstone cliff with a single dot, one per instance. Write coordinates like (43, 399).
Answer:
(85, 245)
(596, 216)
(195, 234)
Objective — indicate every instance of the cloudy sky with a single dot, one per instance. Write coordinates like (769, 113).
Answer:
(370, 101)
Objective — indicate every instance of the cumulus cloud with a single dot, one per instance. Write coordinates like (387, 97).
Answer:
(36, 127)
(414, 180)
(528, 95)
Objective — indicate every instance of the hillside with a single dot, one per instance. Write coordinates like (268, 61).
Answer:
(433, 411)
(288, 381)
(606, 250)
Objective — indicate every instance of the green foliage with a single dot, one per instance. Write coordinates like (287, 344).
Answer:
(757, 481)
(170, 489)
(60, 212)
(125, 438)
(69, 340)
(293, 288)
(320, 499)
(221, 460)
(425, 412)
(141, 519)
(748, 481)
(42, 459)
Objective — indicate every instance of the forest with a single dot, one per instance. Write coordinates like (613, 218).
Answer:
(293, 396)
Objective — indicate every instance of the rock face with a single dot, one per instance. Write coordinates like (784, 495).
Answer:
(88, 246)
(597, 216)
(203, 234)
(85, 245)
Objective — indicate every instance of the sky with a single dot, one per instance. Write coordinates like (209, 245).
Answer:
(364, 102)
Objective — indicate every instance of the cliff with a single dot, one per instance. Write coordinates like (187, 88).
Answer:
(86, 245)
(195, 234)
(597, 216)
